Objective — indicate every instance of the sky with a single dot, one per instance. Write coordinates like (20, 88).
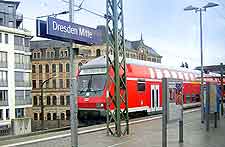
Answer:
(164, 25)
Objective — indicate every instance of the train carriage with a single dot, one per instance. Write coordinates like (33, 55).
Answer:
(144, 85)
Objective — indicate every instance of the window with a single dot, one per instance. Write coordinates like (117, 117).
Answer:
(67, 83)
(3, 95)
(62, 101)
(19, 59)
(54, 100)
(60, 83)
(35, 116)
(67, 114)
(7, 114)
(35, 55)
(3, 78)
(40, 83)
(54, 116)
(49, 116)
(67, 67)
(40, 116)
(1, 114)
(47, 68)
(66, 53)
(53, 68)
(48, 100)
(40, 68)
(6, 38)
(98, 52)
(60, 67)
(141, 85)
(61, 53)
(33, 69)
(18, 40)
(52, 54)
(47, 84)
(67, 100)
(38, 55)
(27, 42)
(54, 83)
(34, 84)
(35, 101)
(3, 58)
(19, 113)
(62, 116)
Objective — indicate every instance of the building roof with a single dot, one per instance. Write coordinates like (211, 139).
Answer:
(10, 2)
(48, 44)
(140, 44)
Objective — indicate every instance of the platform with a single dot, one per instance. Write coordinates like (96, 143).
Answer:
(148, 134)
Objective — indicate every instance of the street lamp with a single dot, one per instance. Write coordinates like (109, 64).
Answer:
(200, 9)
(42, 101)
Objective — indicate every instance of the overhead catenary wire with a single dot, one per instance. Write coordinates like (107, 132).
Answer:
(102, 15)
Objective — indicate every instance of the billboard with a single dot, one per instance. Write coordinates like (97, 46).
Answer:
(174, 99)
(62, 30)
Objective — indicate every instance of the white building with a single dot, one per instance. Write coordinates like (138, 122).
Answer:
(15, 66)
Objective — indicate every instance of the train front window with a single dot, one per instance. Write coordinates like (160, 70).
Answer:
(83, 83)
(93, 84)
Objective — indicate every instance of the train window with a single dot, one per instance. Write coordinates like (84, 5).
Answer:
(152, 74)
(180, 75)
(159, 74)
(174, 75)
(141, 85)
(157, 97)
(186, 76)
(166, 74)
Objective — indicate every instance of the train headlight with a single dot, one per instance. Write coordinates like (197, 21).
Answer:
(99, 105)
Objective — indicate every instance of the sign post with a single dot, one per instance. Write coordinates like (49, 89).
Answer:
(172, 106)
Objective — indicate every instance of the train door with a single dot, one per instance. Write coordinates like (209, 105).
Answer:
(155, 101)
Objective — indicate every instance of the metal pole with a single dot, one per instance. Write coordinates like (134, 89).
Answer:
(42, 108)
(164, 118)
(222, 87)
(201, 46)
(73, 87)
(207, 107)
(116, 64)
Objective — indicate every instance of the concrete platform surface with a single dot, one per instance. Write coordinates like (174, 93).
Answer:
(148, 134)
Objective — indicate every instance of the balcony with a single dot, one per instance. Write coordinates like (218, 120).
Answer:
(4, 103)
(23, 66)
(22, 84)
(21, 101)
(19, 47)
(4, 84)
(3, 65)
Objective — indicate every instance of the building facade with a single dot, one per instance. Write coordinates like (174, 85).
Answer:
(50, 62)
(15, 65)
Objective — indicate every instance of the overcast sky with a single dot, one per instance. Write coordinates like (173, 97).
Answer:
(172, 32)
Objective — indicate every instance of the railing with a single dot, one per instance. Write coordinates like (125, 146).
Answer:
(22, 84)
(3, 64)
(21, 101)
(4, 103)
(4, 84)
(19, 47)
(27, 49)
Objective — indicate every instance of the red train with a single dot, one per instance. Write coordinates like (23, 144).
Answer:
(143, 82)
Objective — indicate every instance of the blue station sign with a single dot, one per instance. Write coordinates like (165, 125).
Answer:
(58, 29)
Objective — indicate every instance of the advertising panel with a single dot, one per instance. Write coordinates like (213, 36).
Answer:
(175, 99)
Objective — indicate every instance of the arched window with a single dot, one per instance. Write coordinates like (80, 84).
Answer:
(35, 101)
(54, 116)
(174, 75)
(40, 68)
(48, 100)
(49, 116)
(62, 116)
(54, 100)
(67, 67)
(98, 52)
(166, 74)
(35, 116)
(47, 68)
(152, 73)
(159, 74)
